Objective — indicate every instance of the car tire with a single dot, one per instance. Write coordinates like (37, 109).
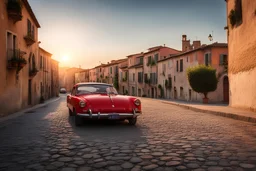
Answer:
(78, 119)
(70, 112)
(132, 121)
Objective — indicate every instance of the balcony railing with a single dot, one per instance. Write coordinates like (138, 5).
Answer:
(30, 38)
(15, 59)
(14, 10)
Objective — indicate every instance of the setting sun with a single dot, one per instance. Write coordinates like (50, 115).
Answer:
(64, 58)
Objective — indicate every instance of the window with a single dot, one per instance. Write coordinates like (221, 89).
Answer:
(207, 59)
(141, 60)
(177, 66)
(223, 59)
(149, 60)
(187, 58)
(30, 29)
(110, 70)
(41, 62)
(145, 78)
(140, 77)
(156, 57)
(174, 78)
(133, 77)
(181, 65)
(169, 64)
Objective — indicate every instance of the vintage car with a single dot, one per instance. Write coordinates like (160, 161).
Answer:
(101, 101)
(63, 90)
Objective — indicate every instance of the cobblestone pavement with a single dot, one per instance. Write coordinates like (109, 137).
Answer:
(165, 138)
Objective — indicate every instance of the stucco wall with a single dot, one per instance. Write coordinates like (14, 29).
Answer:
(14, 89)
(242, 57)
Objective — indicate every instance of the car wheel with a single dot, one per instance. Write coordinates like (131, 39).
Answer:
(70, 112)
(132, 121)
(78, 119)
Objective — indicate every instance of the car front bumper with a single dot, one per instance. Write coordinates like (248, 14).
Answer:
(99, 115)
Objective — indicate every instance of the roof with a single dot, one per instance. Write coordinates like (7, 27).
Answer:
(154, 49)
(216, 44)
(30, 11)
(136, 66)
(101, 65)
(88, 83)
(137, 55)
(45, 51)
(84, 70)
(55, 60)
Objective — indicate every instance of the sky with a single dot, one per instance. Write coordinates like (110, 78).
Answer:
(89, 32)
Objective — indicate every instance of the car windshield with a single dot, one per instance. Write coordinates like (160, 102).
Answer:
(95, 89)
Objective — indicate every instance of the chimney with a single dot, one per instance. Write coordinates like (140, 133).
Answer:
(196, 44)
(185, 44)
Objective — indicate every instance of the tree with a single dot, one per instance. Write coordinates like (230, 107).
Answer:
(202, 79)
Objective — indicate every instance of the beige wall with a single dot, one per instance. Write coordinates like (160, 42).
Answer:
(14, 88)
(54, 78)
(82, 76)
(242, 55)
(92, 75)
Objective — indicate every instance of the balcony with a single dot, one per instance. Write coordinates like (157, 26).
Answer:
(14, 10)
(15, 59)
(30, 38)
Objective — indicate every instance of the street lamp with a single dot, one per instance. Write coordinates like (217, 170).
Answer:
(210, 37)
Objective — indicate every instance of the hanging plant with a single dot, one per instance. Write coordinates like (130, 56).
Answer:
(232, 18)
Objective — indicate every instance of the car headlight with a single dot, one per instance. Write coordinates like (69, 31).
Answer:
(137, 102)
(82, 103)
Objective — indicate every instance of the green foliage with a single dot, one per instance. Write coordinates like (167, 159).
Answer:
(116, 82)
(202, 79)
(161, 90)
(14, 5)
(232, 18)
(22, 60)
(160, 86)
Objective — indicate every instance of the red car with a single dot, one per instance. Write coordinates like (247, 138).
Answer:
(101, 101)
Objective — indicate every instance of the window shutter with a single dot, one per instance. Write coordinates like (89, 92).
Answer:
(221, 59)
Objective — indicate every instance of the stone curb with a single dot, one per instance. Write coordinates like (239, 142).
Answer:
(22, 112)
(223, 114)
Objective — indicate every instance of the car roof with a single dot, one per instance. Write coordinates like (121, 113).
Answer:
(90, 83)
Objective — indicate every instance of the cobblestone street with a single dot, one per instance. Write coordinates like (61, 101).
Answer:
(166, 137)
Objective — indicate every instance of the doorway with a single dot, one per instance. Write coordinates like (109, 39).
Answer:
(225, 90)
(152, 92)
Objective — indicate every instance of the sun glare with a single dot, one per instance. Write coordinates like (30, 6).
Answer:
(64, 58)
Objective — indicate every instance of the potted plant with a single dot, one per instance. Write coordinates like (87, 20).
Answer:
(13, 62)
(33, 72)
(14, 9)
(202, 79)
(22, 62)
